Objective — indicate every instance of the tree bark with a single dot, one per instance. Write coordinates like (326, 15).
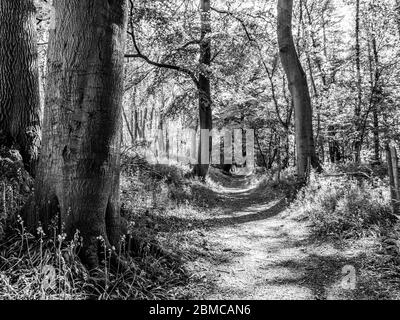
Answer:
(19, 80)
(376, 97)
(397, 9)
(78, 172)
(205, 114)
(357, 110)
(299, 90)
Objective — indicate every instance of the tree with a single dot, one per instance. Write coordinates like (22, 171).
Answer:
(357, 110)
(200, 79)
(19, 80)
(298, 88)
(78, 172)
(397, 9)
(205, 114)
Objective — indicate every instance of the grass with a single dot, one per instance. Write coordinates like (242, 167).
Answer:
(49, 268)
(169, 213)
(351, 211)
(341, 206)
(158, 201)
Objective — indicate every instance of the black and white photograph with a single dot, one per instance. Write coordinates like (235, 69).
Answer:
(199, 156)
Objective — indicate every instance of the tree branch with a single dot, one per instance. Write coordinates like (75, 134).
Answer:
(140, 55)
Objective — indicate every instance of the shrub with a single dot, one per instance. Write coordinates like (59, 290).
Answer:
(344, 207)
(15, 186)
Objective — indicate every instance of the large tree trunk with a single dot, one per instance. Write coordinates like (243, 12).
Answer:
(19, 79)
(299, 90)
(205, 114)
(78, 173)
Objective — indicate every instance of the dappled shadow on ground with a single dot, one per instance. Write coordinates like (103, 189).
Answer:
(252, 213)
(318, 273)
(323, 276)
(235, 208)
(177, 224)
(248, 249)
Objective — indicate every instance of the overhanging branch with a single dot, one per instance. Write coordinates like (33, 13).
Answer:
(140, 55)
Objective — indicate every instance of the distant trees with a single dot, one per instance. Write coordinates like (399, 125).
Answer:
(78, 172)
(19, 79)
(299, 90)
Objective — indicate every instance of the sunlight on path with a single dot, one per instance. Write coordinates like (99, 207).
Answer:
(264, 254)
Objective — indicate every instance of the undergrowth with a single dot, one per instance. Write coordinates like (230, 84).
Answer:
(48, 267)
(343, 206)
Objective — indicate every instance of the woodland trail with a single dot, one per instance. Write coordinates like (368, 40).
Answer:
(259, 251)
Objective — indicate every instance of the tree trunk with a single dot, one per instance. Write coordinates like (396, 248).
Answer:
(376, 97)
(134, 117)
(19, 79)
(205, 114)
(78, 172)
(334, 147)
(357, 111)
(397, 9)
(299, 90)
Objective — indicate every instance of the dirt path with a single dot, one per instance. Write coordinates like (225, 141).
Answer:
(258, 251)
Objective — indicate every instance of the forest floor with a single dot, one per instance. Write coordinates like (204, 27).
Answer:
(233, 237)
(252, 247)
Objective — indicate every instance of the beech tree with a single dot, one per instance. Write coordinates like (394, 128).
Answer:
(78, 172)
(205, 112)
(298, 88)
(201, 79)
(19, 79)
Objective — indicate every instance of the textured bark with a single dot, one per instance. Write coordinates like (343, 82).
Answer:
(357, 110)
(392, 162)
(376, 98)
(19, 79)
(334, 147)
(397, 9)
(205, 114)
(299, 90)
(78, 172)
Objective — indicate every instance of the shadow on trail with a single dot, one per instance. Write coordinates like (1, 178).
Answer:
(323, 276)
(238, 205)
(178, 224)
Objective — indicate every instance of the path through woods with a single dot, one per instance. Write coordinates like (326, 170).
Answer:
(257, 250)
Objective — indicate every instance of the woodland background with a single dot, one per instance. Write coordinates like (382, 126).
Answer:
(226, 59)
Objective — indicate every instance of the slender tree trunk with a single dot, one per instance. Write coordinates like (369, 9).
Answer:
(357, 110)
(397, 8)
(205, 114)
(134, 119)
(128, 126)
(317, 61)
(144, 124)
(78, 173)
(259, 147)
(19, 79)
(376, 100)
(299, 90)
(334, 147)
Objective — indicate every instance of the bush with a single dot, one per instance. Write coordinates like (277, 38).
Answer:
(344, 207)
(15, 187)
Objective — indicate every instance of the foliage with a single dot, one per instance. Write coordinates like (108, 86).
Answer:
(15, 186)
(50, 268)
(345, 207)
